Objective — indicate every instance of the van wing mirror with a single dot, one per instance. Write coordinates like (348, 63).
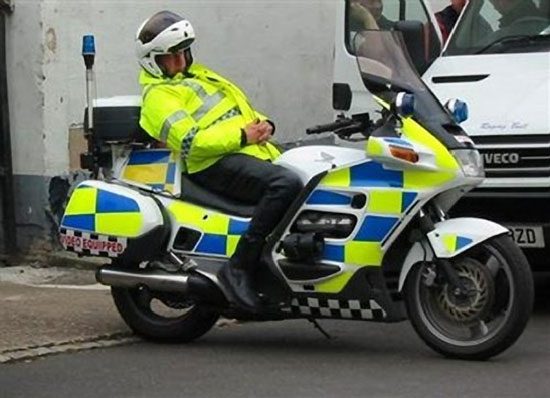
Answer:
(413, 35)
(341, 97)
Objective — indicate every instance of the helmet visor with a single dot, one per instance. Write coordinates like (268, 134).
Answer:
(184, 45)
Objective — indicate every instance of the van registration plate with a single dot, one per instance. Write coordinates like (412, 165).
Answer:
(527, 236)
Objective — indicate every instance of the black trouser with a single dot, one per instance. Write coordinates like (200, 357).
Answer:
(253, 181)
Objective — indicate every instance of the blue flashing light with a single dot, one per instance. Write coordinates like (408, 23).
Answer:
(458, 109)
(88, 45)
(460, 112)
(404, 104)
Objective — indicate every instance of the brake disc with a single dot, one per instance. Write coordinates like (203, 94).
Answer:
(477, 302)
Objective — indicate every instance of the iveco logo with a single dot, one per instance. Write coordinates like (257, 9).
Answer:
(501, 158)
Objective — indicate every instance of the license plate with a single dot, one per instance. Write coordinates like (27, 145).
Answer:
(526, 236)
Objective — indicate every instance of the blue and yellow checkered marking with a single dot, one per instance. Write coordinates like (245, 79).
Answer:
(237, 227)
(220, 232)
(365, 248)
(373, 174)
(108, 202)
(322, 197)
(368, 174)
(462, 242)
(334, 253)
(212, 244)
(155, 168)
(103, 212)
(408, 199)
(375, 228)
(391, 192)
(146, 157)
(454, 243)
(83, 222)
(390, 201)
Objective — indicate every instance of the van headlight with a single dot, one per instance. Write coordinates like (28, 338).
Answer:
(470, 161)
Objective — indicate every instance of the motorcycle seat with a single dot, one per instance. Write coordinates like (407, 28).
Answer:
(194, 193)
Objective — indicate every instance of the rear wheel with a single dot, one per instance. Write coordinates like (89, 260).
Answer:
(485, 321)
(163, 317)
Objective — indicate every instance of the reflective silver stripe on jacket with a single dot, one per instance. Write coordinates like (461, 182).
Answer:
(169, 122)
(208, 101)
(146, 91)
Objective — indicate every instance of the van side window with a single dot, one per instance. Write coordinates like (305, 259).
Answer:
(364, 15)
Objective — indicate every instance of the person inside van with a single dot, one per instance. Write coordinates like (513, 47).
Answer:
(446, 18)
(512, 11)
(368, 15)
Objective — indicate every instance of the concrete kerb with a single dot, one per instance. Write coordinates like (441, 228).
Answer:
(54, 259)
(64, 259)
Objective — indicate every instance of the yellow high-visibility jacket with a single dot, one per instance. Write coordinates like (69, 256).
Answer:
(200, 115)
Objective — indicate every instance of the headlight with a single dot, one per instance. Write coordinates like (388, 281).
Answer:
(470, 161)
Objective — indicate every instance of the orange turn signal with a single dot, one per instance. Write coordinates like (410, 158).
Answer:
(403, 153)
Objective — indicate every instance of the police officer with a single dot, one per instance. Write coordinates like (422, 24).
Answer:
(222, 138)
(446, 18)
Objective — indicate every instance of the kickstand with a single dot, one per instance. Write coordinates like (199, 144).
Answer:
(318, 327)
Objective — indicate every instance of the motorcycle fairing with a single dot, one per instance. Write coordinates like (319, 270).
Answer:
(310, 161)
(152, 169)
(219, 232)
(110, 209)
(392, 188)
(104, 219)
(337, 308)
(452, 237)
(366, 296)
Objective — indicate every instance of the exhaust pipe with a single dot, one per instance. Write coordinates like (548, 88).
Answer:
(154, 280)
(157, 280)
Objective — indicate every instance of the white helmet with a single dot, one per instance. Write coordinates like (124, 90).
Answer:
(163, 33)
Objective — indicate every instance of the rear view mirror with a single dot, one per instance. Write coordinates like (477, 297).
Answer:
(341, 97)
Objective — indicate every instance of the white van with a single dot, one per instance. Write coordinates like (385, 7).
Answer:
(500, 66)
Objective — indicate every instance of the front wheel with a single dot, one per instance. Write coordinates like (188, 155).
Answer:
(485, 321)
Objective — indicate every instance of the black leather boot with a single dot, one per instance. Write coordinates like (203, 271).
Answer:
(239, 284)
(237, 274)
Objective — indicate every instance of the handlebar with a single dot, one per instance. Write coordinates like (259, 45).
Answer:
(323, 128)
(344, 127)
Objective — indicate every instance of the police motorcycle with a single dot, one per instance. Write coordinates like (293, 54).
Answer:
(368, 238)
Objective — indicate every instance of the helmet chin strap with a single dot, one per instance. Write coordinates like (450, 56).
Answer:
(188, 59)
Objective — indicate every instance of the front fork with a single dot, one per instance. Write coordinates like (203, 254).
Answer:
(427, 225)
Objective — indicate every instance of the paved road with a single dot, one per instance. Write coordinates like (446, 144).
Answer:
(290, 360)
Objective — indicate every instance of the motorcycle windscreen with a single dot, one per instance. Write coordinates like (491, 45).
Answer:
(386, 69)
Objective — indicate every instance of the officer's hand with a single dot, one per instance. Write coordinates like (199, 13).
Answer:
(268, 132)
(258, 132)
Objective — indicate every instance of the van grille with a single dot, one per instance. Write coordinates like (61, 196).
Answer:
(515, 156)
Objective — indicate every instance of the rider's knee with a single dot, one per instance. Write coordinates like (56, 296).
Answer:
(293, 183)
